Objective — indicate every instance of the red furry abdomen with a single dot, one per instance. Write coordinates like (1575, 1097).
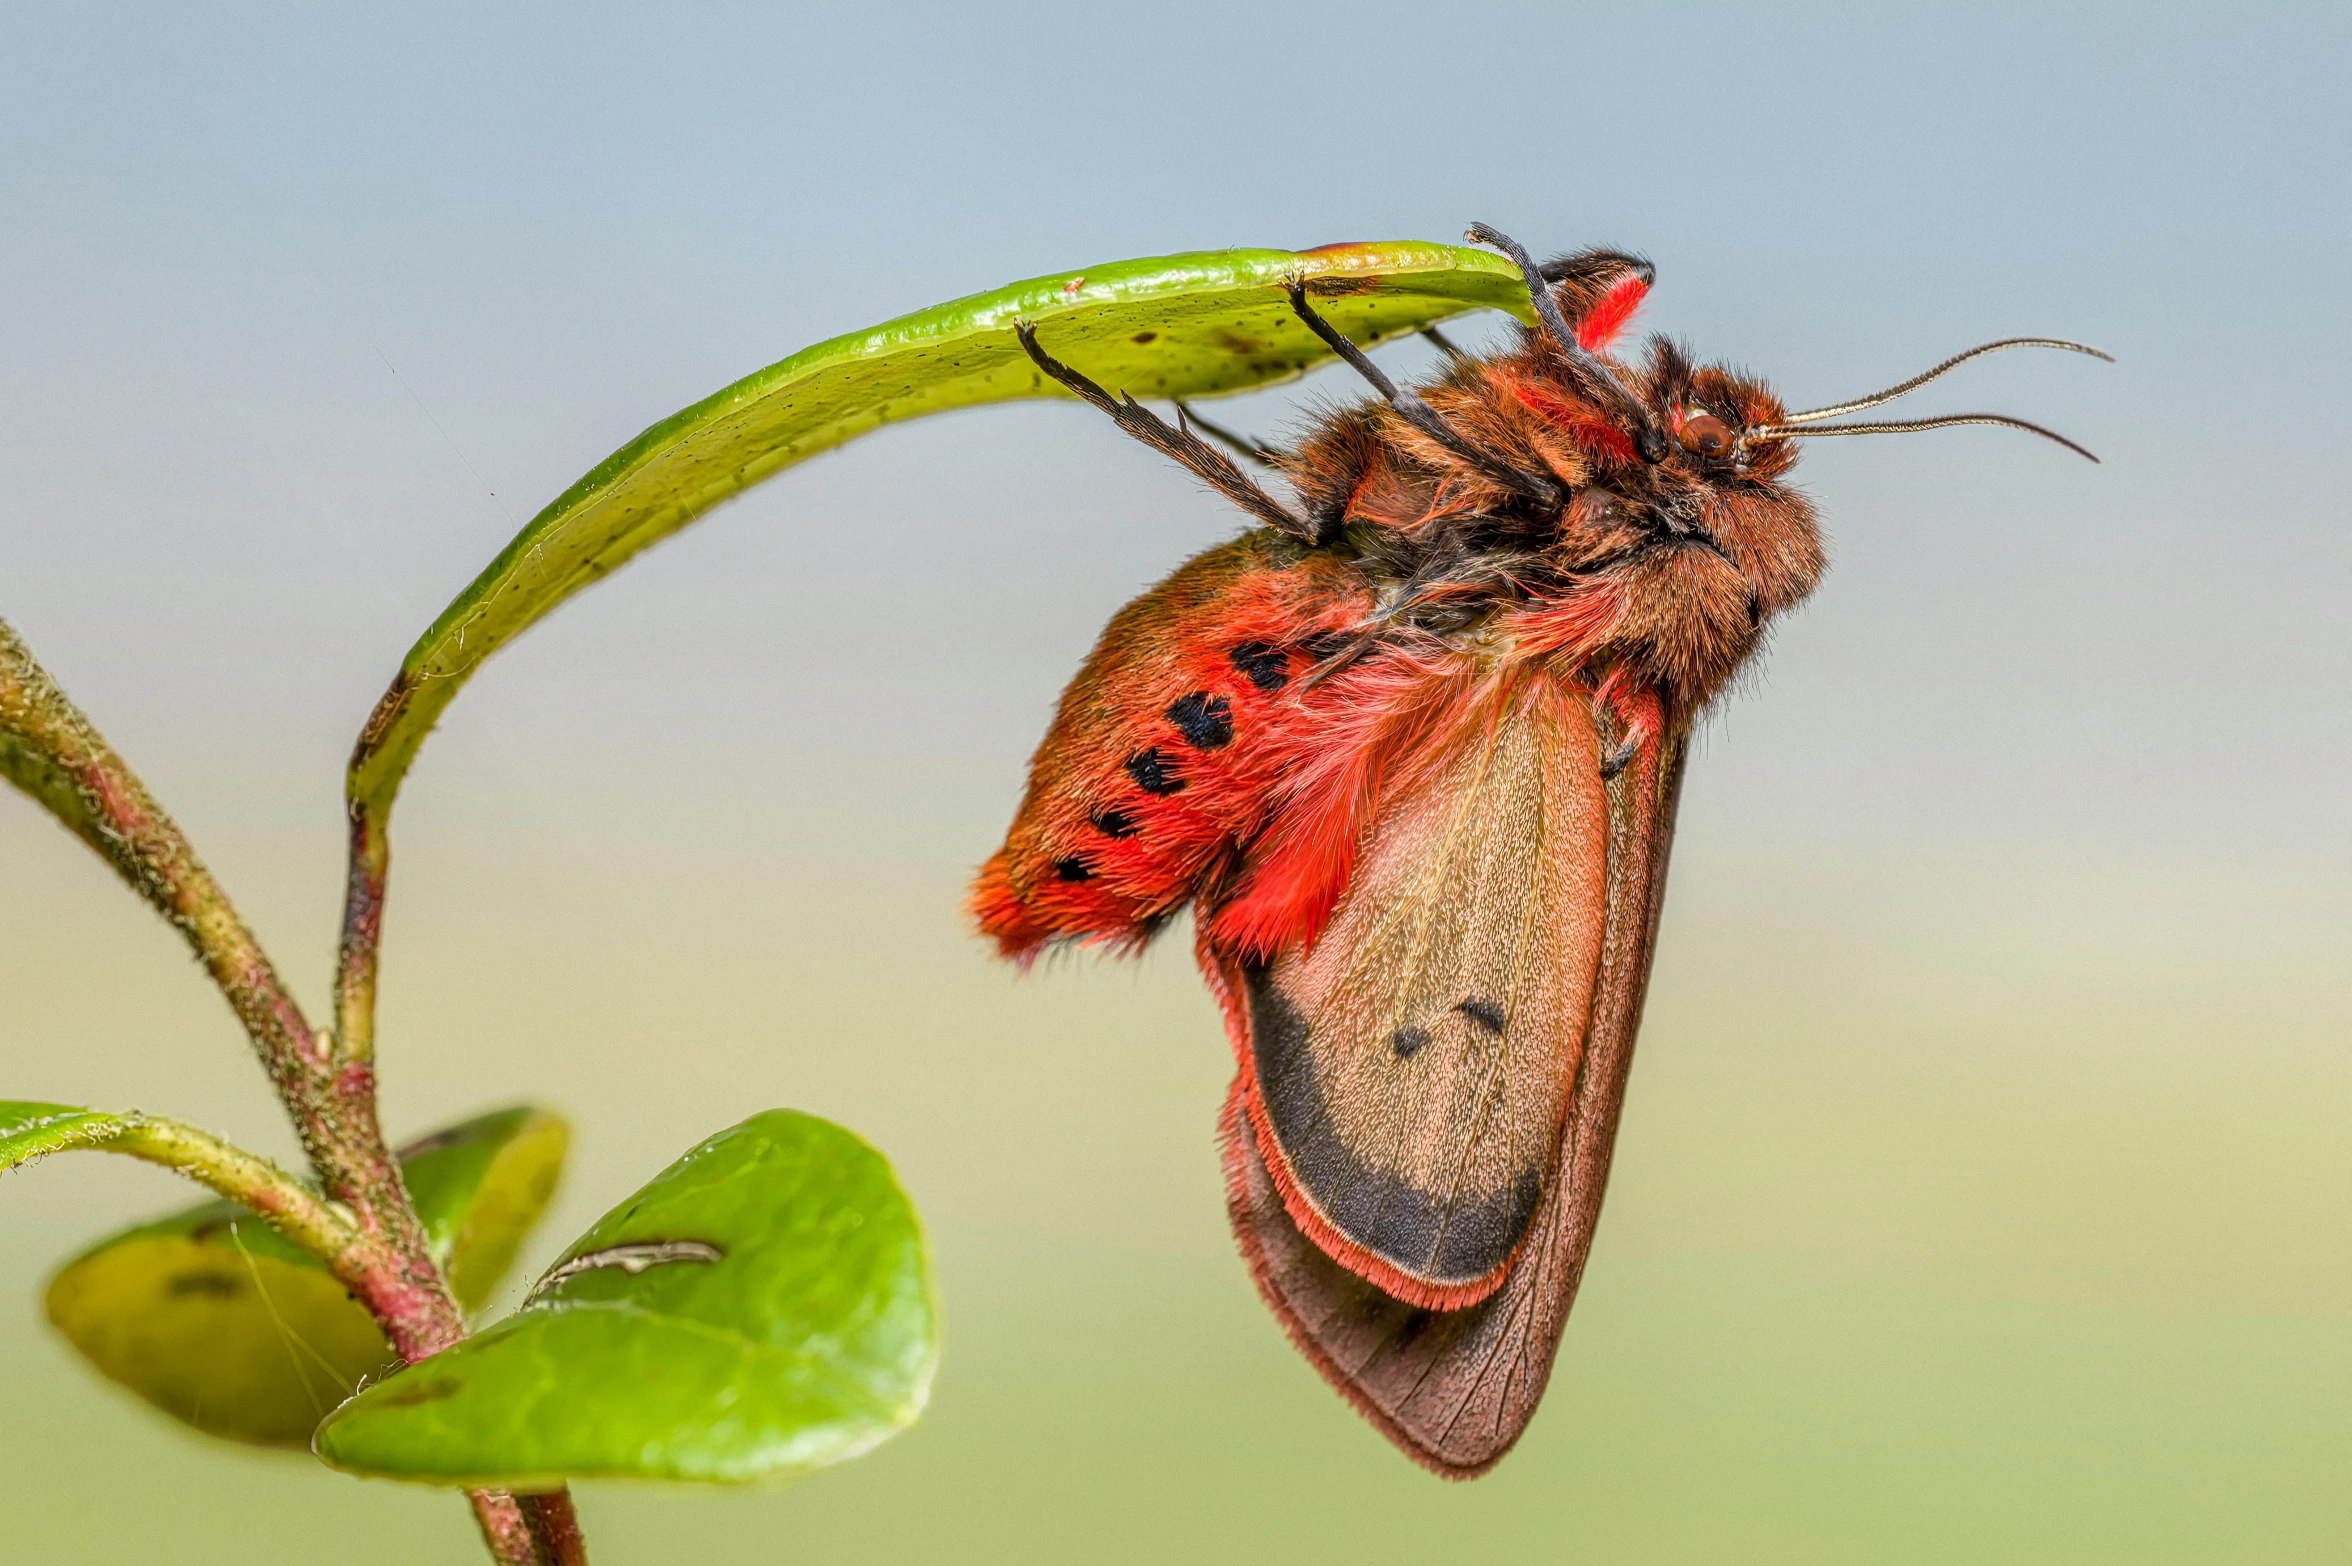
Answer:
(1166, 753)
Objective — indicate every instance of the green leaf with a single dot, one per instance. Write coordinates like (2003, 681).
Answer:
(216, 1319)
(1193, 325)
(761, 1308)
(28, 1130)
(478, 1189)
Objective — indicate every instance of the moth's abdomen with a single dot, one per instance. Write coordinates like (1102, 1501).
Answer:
(1160, 759)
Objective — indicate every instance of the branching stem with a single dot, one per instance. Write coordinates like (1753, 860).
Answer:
(53, 752)
(285, 1203)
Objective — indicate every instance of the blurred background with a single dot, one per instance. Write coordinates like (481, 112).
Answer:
(1984, 1188)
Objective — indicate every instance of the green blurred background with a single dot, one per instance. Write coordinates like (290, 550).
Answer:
(1984, 1184)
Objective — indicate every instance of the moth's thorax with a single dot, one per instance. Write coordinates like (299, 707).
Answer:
(1670, 569)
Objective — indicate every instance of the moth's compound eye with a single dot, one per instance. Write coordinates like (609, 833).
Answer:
(1704, 434)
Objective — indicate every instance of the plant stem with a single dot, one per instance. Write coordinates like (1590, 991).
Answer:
(60, 758)
(53, 752)
(285, 1203)
(504, 1529)
(555, 1528)
(363, 929)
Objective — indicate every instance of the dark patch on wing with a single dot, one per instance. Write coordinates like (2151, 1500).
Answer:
(1262, 664)
(1415, 1230)
(1205, 721)
(1153, 772)
(1485, 1013)
(1144, 337)
(1407, 1039)
(1112, 823)
(211, 1285)
(1073, 869)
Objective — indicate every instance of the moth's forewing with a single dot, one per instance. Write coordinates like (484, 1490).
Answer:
(1408, 1071)
(1454, 1388)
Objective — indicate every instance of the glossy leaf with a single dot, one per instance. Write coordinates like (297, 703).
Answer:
(1194, 325)
(761, 1308)
(214, 1318)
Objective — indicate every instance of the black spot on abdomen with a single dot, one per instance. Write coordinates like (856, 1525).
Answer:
(1205, 721)
(1406, 1040)
(1153, 772)
(1073, 869)
(1112, 823)
(1262, 664)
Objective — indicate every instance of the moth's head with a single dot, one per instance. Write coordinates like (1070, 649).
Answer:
(1684, 461)
(1718, 493)
(1623, 416)
(1673, 486)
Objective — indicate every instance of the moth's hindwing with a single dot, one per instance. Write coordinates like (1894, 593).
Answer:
(1408, 1071)
(1454, 1388)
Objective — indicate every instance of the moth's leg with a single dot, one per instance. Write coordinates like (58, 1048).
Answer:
(1541, 488)
(1203, 460)
(1345, 654)
(1256, 450)
(1444, 344)
(1328, 468)
(1591, 376)
(1639, 715)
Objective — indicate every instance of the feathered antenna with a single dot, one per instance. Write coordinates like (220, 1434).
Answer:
(1905, 426)
(1808, 422)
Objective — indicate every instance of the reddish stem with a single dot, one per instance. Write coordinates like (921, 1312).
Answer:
(52, 751)
(555, 1528)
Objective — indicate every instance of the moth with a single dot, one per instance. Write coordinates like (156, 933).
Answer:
(1409, 750)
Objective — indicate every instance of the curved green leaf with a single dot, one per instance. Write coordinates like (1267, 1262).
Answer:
(761, 1308)
(216, 1319)
(1193, 325)
(28, 1129)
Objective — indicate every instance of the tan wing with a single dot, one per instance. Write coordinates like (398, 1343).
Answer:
(1454, 1388)
(1408, 1073)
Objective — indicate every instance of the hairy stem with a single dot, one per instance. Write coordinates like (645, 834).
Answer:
(54, 753)
(504, 1529)
(555, 1528)
(278, 1198)
(363, 928)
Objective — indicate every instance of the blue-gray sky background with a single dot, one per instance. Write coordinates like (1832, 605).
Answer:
(1985, 1182)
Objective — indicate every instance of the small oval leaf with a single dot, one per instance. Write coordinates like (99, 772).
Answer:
(1195, 325)
(217, 1320)
(761, 1308)
(220, 1323)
